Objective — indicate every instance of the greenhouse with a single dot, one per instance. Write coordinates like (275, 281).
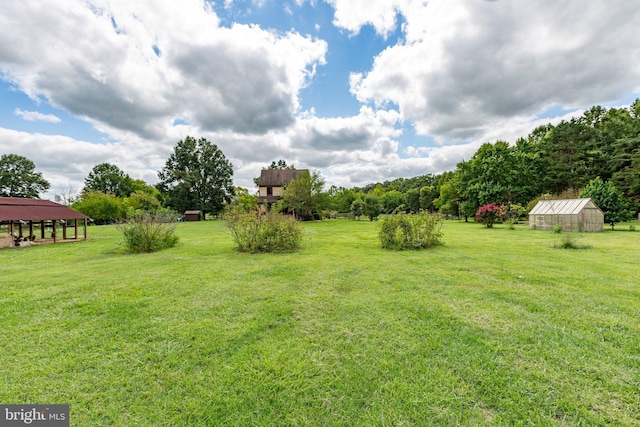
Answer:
(572, 214)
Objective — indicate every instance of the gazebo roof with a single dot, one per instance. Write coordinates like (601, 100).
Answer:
(20, 209)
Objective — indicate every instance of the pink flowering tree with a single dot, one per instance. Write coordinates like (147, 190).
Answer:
(490, 214)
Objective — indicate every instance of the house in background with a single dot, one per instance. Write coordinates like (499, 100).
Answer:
(272, 183)
(572, 214)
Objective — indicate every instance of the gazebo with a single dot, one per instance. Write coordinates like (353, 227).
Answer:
(20, 215)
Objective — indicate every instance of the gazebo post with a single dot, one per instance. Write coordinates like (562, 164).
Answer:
(53, 221)
(30, 229)
(64, 229)
(75, 224)
(85, 229)
(42, 230)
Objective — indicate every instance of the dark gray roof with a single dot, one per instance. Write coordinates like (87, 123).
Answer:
(278, 177)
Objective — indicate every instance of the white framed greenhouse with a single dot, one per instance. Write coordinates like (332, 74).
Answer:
(572, 214)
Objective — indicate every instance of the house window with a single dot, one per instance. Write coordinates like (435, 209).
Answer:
(269, 191)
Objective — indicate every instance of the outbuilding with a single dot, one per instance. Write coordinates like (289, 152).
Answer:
(572, 214)
(28, 219)
(192, 215)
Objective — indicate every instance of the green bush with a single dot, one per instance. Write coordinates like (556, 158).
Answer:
(570, 242)
(557, 228)
(102, 208)
(402, 231)
(149, 233)
(269, 232)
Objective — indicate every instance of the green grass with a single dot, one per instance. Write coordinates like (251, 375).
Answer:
(496, 327)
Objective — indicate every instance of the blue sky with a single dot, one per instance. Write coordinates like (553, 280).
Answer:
(362, 91)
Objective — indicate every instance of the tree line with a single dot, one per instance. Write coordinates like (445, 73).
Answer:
(552, 161)
(600, 149)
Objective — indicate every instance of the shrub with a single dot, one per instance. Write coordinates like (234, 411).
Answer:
(570, 242)
(632, 227)
(557, 228)
(490, 214)
(402, 231)
(149, 233)
(270, 232)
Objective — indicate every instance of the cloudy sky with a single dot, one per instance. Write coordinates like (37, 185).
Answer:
(362, 90)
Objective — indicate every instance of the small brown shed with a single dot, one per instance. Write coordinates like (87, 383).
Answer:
(20, 215)
(192, 215)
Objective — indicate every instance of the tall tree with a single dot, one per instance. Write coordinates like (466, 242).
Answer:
(499, 173)
(18, 177)
(107, 178)
(197, 176)
(572, 156)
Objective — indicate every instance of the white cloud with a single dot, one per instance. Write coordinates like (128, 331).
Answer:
(353, 14)
(137, 65)
(468, 66)
(34, 116)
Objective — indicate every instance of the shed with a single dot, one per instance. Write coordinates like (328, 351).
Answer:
(20, 215)
(572, 214)
(192, 215)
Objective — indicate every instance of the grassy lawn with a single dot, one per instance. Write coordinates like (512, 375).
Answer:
(496, 327)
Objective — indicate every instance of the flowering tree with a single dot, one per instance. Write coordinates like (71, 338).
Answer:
(490, 214)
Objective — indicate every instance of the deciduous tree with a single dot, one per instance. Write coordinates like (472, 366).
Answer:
(101, 207)
(108, 178)
(609, 200)
(357, 208)
(18, 177)
(304, 195)
(197, 176)
(372, 206)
